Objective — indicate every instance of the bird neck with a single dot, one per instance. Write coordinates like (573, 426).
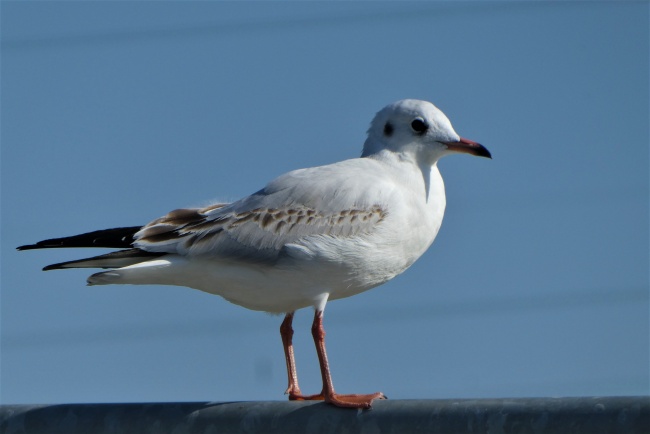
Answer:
(422, 172)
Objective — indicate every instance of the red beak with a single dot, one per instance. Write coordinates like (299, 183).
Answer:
(468, 147)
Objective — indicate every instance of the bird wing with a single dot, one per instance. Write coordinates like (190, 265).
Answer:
(321, 201)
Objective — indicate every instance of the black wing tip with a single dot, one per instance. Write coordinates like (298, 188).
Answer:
(115, 238)
(107, 260)
(60, 265)
(39, 245)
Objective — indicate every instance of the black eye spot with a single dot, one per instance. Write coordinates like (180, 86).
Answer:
(388, 129)
(419, 126)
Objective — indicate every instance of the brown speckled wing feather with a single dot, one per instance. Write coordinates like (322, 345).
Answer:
(260, 231)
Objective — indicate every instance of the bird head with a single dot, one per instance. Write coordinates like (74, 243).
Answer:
(417, 129)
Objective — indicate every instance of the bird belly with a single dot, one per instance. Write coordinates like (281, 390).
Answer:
(288, 285)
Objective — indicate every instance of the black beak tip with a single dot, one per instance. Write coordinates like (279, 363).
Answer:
(485, 153)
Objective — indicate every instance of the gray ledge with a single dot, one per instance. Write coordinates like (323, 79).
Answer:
(517, 415)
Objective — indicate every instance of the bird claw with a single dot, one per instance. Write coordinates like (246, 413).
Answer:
(339, 400)
(300, 397)
(354, 400)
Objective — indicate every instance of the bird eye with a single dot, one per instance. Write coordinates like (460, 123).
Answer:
(388, 129)
(419, 125)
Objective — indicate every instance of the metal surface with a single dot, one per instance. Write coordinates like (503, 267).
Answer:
(522, 415)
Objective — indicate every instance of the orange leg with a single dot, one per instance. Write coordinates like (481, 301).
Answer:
(328, 394)
(293, 390)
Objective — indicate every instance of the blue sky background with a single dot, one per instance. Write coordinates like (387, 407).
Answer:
(114, 113)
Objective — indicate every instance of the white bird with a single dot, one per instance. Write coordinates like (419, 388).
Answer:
(309, 236)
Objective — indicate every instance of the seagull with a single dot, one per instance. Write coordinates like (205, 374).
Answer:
(309, 236)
